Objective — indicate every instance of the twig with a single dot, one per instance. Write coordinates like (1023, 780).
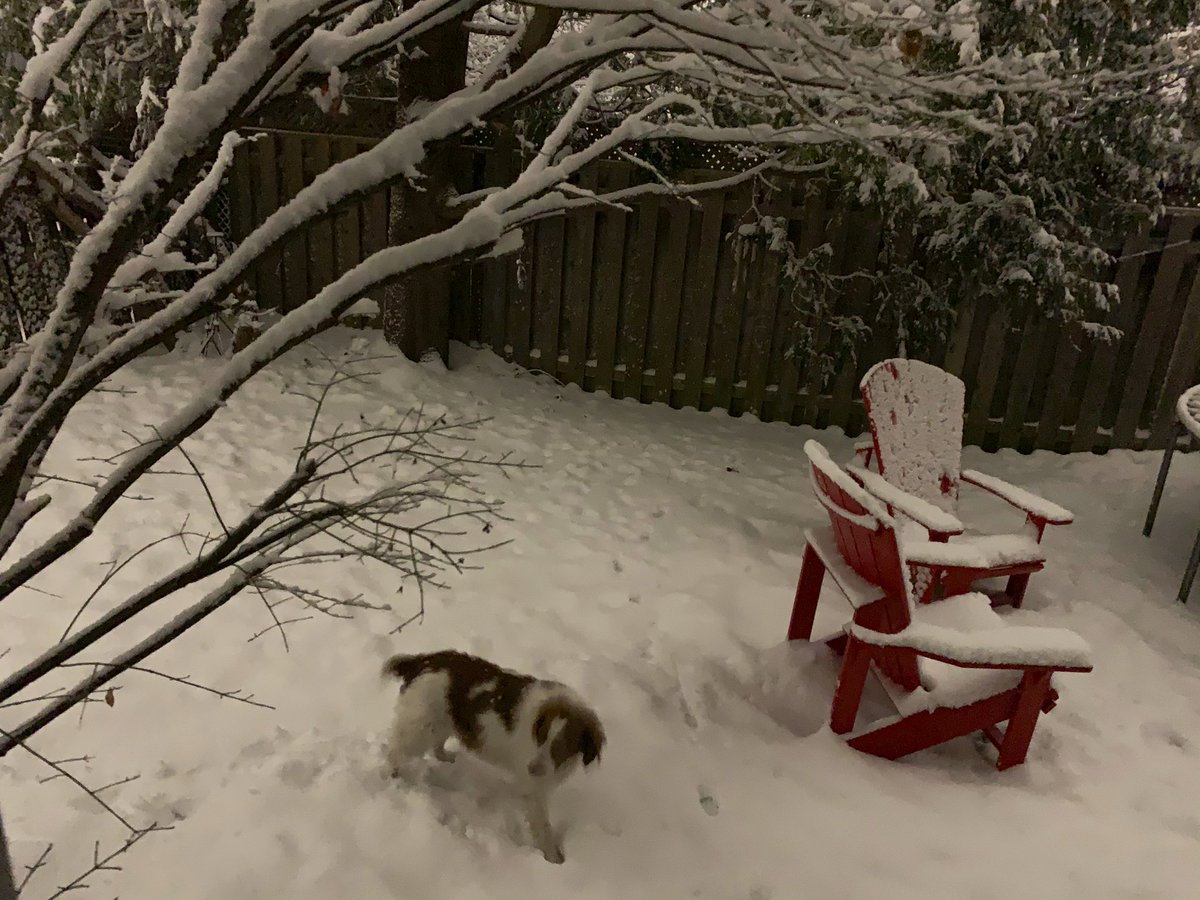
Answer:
(75, 781)
(180, 679)
(42, 477)
(104, 865)
(30, 870)
(64, 762)
(114, 568)
(278, 624)
(38, 590)
(53, 695)
(212, 502)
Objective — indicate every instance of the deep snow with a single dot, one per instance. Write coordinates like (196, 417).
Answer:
(652, 567)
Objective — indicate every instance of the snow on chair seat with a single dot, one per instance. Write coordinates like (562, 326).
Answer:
(966, 652)
(951, 667)
(985, 551)
(998, 647)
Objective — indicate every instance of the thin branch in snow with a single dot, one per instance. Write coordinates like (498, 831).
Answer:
(279, 624)
(30, 871)
(116, 567)
(53, 695)
(212, 501)
(104, 864)
(42, 477)
(179, 679)
(64, 762)
(71, 778)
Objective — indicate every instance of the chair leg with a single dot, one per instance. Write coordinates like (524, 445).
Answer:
(848, 694)
(1018, 734)
(1163, 468)
(838, 644)
(1189, 574)
(1015, 589)
(808, 590)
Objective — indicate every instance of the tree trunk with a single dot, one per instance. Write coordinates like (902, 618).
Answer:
(416, 311)
(8, 883)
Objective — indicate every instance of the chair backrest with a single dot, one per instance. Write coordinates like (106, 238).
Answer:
(866, 539)
(915, 412)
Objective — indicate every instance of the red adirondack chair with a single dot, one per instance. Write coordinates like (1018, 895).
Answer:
(915, 412)
(951, 668)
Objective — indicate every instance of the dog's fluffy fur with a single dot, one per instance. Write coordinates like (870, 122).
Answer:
(538, 731)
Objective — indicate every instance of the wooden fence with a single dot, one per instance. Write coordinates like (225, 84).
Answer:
(660, 304)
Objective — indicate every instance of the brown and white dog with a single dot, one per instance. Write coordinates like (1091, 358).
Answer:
(538, 731)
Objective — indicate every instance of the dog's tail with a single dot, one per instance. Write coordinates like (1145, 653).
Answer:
(403, 667)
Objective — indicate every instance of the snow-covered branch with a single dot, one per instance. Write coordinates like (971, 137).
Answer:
(37, 83)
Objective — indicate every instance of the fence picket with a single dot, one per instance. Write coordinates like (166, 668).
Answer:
(862, 257)
(606, 287)
(265, 178)
(635, 298)
(1056, 390)
(295, 249)
(547, 292)
(317, 158)
(577, 286)
(1030, 341)
(812, 235)
(979, 402)
(669, 270)
(698, 296)
(1104, 355)
(839, 224)
(347, 227)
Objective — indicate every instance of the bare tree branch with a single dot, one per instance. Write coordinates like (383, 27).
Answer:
(179, 679)
(104, 864)
(12, 739)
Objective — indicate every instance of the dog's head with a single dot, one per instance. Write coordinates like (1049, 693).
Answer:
(578, 735)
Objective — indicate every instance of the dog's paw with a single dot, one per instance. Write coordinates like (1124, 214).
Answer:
(554, 855)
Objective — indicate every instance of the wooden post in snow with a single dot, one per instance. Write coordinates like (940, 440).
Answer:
(416, 310)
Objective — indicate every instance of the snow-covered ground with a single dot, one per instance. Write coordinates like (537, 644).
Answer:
(652, 564)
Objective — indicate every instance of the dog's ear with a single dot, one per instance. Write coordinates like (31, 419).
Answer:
(591, 741)
(541, 727)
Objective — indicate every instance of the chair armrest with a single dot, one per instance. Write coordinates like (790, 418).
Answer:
(864, 452)
(1031, 504)
(1017, 647)
(920, 511)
